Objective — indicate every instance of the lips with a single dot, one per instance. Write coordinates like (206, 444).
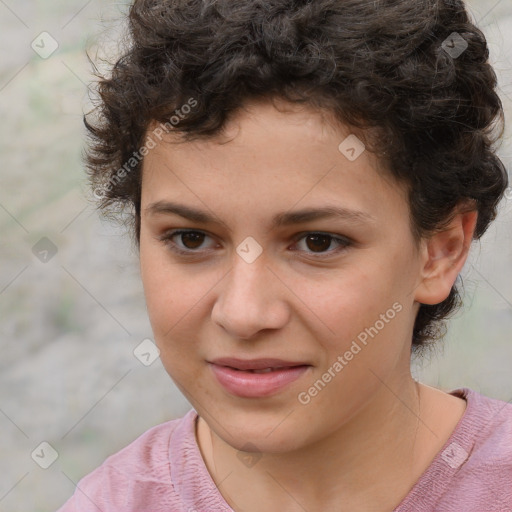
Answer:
(256, 378)
(256, 364)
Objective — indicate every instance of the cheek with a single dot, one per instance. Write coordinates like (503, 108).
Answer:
(170, 310)
(155, 283)
(347, 302)
(167, 286)
(167, 291)
(175, 297)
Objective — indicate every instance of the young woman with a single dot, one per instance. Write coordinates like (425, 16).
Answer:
(305, 180)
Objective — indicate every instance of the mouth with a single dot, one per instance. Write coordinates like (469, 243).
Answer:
(257, 365)
(264, 370)
(256, 378)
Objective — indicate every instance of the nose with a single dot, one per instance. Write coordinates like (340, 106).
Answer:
(250, 299)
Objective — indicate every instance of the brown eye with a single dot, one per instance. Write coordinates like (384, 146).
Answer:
(318, 242)
(189, 242)
(192, 239)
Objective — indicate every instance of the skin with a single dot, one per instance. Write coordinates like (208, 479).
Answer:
(365, 439)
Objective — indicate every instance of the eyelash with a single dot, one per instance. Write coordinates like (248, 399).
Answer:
(166, 238)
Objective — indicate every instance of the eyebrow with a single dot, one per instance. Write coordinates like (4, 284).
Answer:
(282, 219)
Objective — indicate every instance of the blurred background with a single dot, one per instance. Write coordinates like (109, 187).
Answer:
(71, 302)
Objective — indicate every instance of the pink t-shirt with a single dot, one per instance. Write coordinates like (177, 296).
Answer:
(163, 470)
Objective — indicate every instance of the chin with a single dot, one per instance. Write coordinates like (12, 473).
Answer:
(259, 431)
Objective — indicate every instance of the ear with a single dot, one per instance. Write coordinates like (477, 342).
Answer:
(444, 255)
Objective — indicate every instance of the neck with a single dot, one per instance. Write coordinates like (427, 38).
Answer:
(374, 458)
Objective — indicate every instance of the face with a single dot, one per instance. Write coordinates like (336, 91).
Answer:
(329, 299)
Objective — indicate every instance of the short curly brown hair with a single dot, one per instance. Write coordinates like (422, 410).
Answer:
(414, 72)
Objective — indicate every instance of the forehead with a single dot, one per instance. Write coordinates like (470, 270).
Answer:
(269, 158)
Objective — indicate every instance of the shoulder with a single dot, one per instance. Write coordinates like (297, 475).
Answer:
(484, 446)
(149, 452)
(138, 476)
(490, 422)
(473, 470)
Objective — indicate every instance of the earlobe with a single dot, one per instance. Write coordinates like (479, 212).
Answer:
(444, 255)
